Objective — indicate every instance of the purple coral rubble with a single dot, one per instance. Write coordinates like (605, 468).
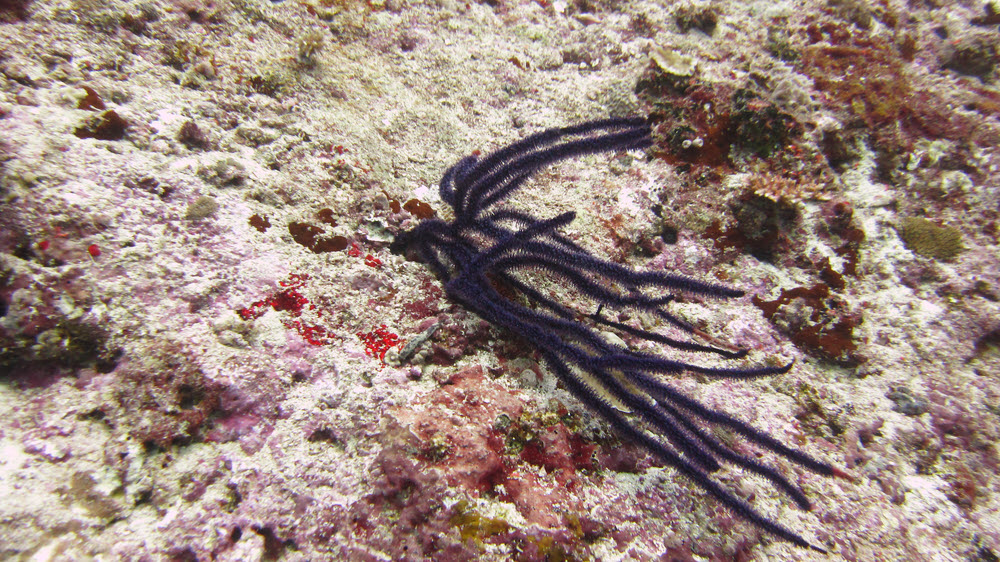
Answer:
(145, 419)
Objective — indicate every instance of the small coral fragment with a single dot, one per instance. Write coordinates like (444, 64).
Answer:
(326, 216)
(703, 18)
(308, 235)
(304, 234)
(191, 136)
(91, 101)
(419, 209)
(107, 126)
(200, 208)
(930, 240)
(310, 45)
(906, 403)
(672, 62)
(260, 222)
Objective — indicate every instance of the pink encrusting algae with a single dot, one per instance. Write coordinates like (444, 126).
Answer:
(209, 352)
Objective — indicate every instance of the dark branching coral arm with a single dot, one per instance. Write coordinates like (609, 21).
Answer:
(485, 245)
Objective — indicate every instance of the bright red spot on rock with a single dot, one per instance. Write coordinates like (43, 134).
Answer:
(290, 300)
(378, 342)
(93, 250)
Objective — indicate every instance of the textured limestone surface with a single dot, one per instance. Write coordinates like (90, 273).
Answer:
(201, 321)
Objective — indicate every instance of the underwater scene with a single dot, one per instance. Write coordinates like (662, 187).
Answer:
(500, 280)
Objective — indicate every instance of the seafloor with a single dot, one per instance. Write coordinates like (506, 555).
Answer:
(201, 320)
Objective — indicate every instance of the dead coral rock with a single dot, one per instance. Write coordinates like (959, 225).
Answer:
(972, 56)
(476, 433)
(710, 123)
(625, 457)
(930, 240)
(455, 428)
(48, 318)
(85, 491)
(14, 10)
(459, 334)
(403, 517)
(225, 172)
(763, 227)
(870, 88)
(165, 399)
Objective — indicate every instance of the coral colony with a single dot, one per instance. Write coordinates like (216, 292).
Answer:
(485, 258)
